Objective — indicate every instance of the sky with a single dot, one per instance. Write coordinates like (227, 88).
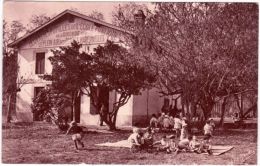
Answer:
(22, 11)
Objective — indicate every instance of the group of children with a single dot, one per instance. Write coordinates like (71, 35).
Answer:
(171, 143)
(140, 140)
(165, 121)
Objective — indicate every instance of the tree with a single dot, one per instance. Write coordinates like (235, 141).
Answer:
(36, 21)
(10, 67)
(117, 70)
(11, 32)
(123, 15)
(77, 73)
(200, 50)
(71, 69)
(97, 15)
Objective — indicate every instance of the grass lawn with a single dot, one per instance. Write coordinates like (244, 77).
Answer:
(43, 143)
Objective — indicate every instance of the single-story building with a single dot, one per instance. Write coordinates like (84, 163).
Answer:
(34, 49)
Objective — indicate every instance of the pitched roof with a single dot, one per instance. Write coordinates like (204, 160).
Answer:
(16, 42)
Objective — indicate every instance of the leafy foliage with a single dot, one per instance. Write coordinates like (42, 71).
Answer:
(51, 106)
(203, 51)
(37, 20)
(10, 67)
(123, 15)
(97, 15)
(110, 66)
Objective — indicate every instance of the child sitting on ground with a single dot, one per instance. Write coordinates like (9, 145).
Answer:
(77, 133)
(184, 145)
(172, 144)
(205, 145)
(135, 139)
(166, 145)
(194, 144)
(148, 138)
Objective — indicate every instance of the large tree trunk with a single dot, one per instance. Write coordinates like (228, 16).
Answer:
(109, 118)
(223, 110)
(113, 117)
(73, 112)
(206, 109)
(8, 116)
(239, 104)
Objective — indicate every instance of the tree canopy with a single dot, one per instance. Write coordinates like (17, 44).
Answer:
(76, 72)
(203, 51)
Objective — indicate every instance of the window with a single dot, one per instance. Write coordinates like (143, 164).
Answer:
(40, 63)
(37, 90)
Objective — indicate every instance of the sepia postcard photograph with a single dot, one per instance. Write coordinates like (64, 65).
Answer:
(129, 82)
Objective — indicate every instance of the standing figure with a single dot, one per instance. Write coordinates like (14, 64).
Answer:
(153, 121)
(211, 122)
(166, 122)
(208, 129)
(103, 113)
(184, 130)
(160, 120)
(236, 119)
(177, 125)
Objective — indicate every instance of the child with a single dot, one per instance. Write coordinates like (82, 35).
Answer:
(205, 146)
(77, 133)
(160, 120)
(236, 119)
(208, 129)
(165, 145)
(177, 125)
(135, 139)
(171, 121)
(166, 122)
(172, 144)
(184, 130)
(153, 121)
(162, 143)
(212, 124)
(148, 138)
(184, 144)
(194, 144)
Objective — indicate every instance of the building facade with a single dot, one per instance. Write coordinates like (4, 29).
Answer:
(34, 49)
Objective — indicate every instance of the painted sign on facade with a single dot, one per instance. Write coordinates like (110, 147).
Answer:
(65, 32)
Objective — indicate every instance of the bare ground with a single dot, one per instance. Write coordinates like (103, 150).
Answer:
(43, 143)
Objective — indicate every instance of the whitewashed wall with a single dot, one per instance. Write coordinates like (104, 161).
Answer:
(146, 104)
